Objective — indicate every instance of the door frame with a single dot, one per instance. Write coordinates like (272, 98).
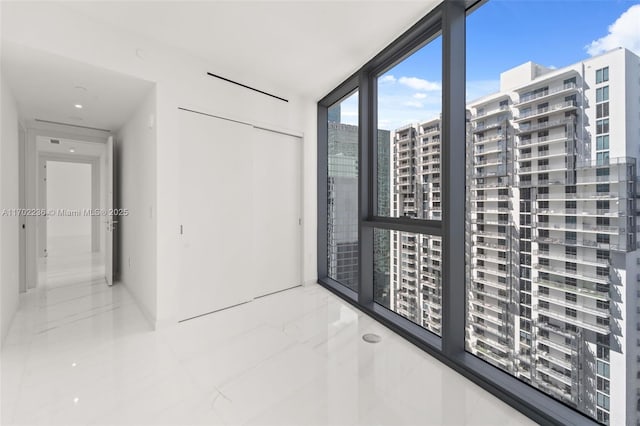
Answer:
(30, 178)
(96, 194)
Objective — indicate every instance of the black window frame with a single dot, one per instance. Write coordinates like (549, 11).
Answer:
(448, 19)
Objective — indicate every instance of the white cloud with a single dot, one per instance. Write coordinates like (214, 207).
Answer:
(414, 104)
(419, 83)
(387, 79)
(420, 95)
(622, 33)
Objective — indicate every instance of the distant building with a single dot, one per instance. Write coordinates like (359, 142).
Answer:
(343, 204)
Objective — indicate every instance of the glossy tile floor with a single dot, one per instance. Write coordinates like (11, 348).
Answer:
(81, 353)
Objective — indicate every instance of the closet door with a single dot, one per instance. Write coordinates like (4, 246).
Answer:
(216, 206)
(276, 261)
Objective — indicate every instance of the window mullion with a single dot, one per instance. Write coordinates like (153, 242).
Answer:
(365, 190)
(453, 185)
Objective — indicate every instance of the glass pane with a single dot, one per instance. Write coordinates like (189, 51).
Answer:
(551, 202)
(342, 196)
(409, 107)
(407, 280)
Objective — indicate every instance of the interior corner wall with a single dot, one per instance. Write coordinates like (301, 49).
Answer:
(181, 81)
(136, 164)
(9, 199)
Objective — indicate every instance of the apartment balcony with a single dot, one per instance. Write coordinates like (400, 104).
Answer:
(493, 209)
(487, 258)
(432, 143)
(555, 374)
(547, 140)
(476, 128)
(546, 168)
(427, 284)
(490, 233)
(566, 349)
(541, 112)
(426, 148)
(553, 358)
(594, 180)
(492, 149)
(489, 173)
(488, 306)
(486, 139)
(406, 147)
(578, 322)
(490, 162)
(486, 293)
(560, 301)
(559, 331)
(582, 289)
(406, 171)
(548, 153)
(491, 283)
(584, 227)
(498, 322)
(429, 130)
(563, 257)
(490, 197)
(491, 246)
(554, 390)
(489, 221)
(547, 94)
(561, 196)
(491, 112)
(504, 184)
(571, 274)
(619, 245)
(491, 271)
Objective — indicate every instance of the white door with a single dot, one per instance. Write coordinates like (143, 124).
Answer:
(216, 212)
(110, 221)
(276, 260)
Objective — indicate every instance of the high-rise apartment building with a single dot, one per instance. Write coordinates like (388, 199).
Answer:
(416, 268)
(553, 266)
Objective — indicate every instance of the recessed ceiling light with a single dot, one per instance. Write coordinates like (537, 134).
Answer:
(78, 106)
(72, 150)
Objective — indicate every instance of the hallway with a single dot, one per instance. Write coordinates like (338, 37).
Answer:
(82, 353)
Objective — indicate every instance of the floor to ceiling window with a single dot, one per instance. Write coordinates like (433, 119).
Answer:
(494, 200)
(342, 191)
(407, 265)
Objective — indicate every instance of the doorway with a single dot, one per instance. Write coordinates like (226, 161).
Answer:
(68, 239)
(71, 252)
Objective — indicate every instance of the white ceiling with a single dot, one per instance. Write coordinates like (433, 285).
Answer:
(305, 47)
(47, 87)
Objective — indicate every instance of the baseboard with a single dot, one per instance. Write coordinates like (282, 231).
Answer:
(145, 312)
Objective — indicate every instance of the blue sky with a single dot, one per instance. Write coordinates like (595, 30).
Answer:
(500, 35)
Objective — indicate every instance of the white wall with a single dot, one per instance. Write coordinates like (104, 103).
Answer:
(181, 81)
(9, 198)
(136, 162)
(68, 188)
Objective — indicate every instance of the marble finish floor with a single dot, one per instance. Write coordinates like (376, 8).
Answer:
(81, 353)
